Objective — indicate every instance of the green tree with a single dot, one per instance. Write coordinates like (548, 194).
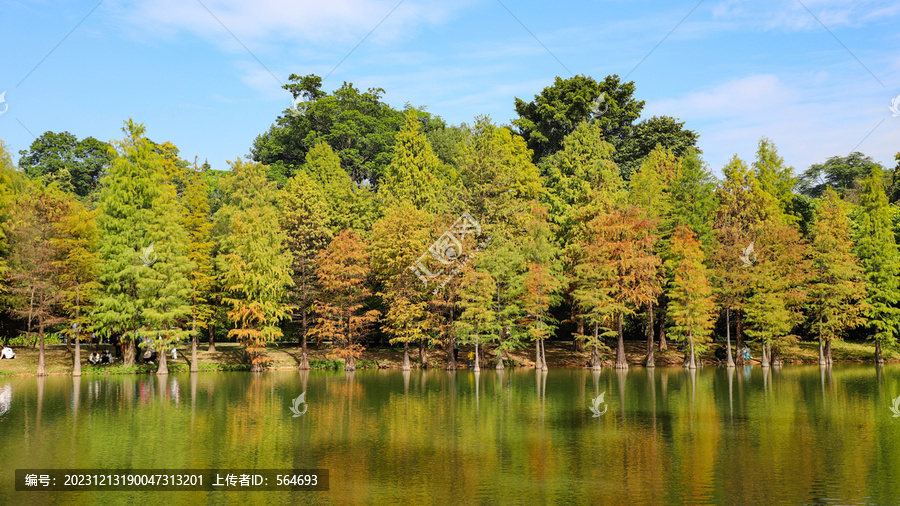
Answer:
(304, 220)
(398, 241)
(349, 204)
(652, 193)
(777, 278)
(343, 270)
(841, 173)
(691, 304)
(129, 191)
(33, 266)
(254, 266)
(836, 286)
(775, 178)
(477, 318)
(165, 289)
(740, 207)
(197, 222)
(359, 127)
(559, 109)
(543, 279)
(657, 132)
(412, 174)
(78, 266)
(877, 250)
(62, 157)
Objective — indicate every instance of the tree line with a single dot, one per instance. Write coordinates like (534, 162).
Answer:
(357, 223)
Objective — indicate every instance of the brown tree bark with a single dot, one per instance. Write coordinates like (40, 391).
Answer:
(739, 361)
(649, 360)
(451, 359)
(595, 357)
(878, 358)
(729, 362)
(579, 343)
(621, 362)
(212, 337)
(194, 338)
(42, 363)
(663, 345)
(129, 352)
(828, 351)
(163, 365)
(304, 357)
(423, 354)
(406, 365)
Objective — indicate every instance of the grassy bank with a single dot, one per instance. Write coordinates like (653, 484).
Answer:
(230, 357)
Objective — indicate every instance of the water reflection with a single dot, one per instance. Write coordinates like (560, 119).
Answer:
(807, 433)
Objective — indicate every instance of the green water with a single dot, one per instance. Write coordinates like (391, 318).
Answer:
(794, 435)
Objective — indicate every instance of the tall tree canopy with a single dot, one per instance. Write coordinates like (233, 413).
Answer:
(560, 108)
(359, 127)
(76, 165)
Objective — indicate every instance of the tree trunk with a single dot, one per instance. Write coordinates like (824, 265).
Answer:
(477, 367)
(423, 354)
(543, 357)
(821, 351)
(129, 352)
(500, 365)
(648, 360)
(195, 367)
(828, 351)
(764, 359)
(579, 343)
(350, 363)
(42, 364)
(304, 357)
(621, 362)
(595, 357)
(163, 366)
(739, 361)
(776, 357)
(212, 337)
(663, 346)
(730, 360)
(451, 360)
(879, 360)
(76, 369)
(692, 363)
(405, 366)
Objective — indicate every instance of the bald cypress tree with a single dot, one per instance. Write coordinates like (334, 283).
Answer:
(128, 192)
(877, 250)
(412, 174)
(253, 263)
(836, 283)
(691, 307)
(304, 219)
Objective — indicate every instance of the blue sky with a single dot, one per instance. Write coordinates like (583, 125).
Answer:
(207, 76)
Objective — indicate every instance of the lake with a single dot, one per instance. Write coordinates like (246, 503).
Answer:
(797, 434)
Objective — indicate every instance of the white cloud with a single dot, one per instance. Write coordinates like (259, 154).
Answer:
(810, 118)
(264, 22)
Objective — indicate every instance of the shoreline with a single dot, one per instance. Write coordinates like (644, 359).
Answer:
(560, 354)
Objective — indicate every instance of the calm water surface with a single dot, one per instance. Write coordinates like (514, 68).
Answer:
(800, 434)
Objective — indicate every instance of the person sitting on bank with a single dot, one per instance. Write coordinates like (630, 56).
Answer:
(94, 358)
(149, 356)
(104, 359)
(7, 353)
(746, 353)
